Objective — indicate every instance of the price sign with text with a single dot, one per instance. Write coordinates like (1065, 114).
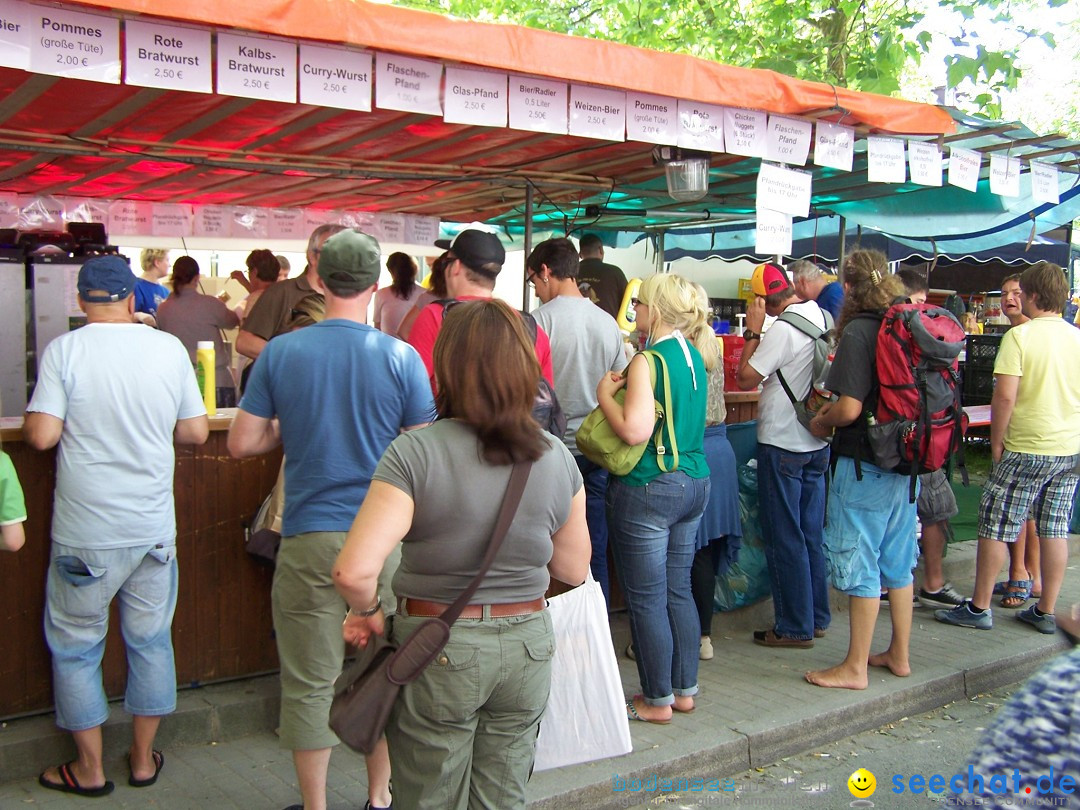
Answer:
(701, 126)
(744, 132)
(212, 221)
(74, 44)
(964, 168)
(885, 160)
(256, 67)
(782, 189)
(538, 105)
(167, 56)
(924, 163)
(652, 119)
(475, 97)
(789, 140)
(597, 113)
(335, 77)
(1044, 182)
(14, 34)
(834, 146)
(409, 85)
(772, 233)
(1005, 175)
(171, 219)
(130, 218)
(288, 223)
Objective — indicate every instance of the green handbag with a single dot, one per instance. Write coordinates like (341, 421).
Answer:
(599, 443)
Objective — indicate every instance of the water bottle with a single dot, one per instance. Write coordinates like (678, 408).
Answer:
(205, 368)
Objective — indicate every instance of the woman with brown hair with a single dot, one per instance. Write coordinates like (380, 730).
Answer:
(436, 292)
(464, 733)
(393, 303)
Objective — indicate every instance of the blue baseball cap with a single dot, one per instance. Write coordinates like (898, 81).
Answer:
(105, 279)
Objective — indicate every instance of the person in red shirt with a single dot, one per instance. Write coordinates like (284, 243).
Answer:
(475, 260)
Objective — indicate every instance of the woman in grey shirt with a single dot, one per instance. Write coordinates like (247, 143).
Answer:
(464, 734)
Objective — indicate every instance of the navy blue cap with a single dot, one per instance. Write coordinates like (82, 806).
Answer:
(105, 279)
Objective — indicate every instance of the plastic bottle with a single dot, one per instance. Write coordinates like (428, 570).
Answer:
(204, 374)
(627, 315)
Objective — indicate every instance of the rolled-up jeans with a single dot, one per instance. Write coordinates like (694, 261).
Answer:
(653, 531)
(80, 586)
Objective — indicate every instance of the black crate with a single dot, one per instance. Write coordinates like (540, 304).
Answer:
(982, 350)
(978, 385)
(727, 309)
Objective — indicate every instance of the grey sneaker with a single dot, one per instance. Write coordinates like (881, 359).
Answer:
(1046, 623)
(947, 598)
(963, 616)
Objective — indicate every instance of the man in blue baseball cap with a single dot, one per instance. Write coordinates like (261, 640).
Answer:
(114, 522)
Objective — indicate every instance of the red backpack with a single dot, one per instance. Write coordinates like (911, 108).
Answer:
(918, 422)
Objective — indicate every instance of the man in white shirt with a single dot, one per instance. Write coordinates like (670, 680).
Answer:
(791, 462)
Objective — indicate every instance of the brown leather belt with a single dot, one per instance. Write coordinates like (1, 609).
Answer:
(421, 607)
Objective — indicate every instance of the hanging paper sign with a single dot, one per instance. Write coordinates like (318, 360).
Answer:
(170, 219)
(359, 220)
(14, 34)
(335, 77)
(9, 211)
(248, 221)
(772, 233)
(167, 56)
(924, 163)
(212, 220)
(652, 119)
(597, 113)
(256, 67)
(783, 189)
(130, 218)
(475, 97)
(1044, 182)
(885, 160)
(537, 105)
(834, 146)
(81, 209)
(287, 223)
(789, 140)
(701, 126)
(74, 44)
(410, 85)
(1005, 175)
(41, 213)
(744, 132)
(391, 227)
(421, 230)
(964, 168)
(314, 217)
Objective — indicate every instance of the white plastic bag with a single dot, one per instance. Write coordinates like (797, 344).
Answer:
(586, 713)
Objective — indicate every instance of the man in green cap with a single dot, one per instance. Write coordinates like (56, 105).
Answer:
(334, 395)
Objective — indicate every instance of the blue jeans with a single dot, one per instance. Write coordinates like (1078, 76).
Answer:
(791, 497)
(596, 484)
(653, 533)
(80, 586)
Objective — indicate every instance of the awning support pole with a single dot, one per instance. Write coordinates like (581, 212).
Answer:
(528, 242)
(841, 245)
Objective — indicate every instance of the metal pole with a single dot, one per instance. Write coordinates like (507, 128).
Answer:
(660, 251)
(528, 242)
(842, 249)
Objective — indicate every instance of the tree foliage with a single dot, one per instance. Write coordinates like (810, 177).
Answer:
(860, 44)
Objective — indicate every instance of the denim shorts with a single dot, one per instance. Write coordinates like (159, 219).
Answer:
(869, 530)
(1023, 486)
(80, 586)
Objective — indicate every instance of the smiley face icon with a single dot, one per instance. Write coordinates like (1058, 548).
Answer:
(862, 784)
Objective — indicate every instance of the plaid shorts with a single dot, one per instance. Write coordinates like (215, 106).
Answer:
(1023, 485)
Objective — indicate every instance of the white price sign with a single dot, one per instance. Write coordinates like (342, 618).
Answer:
(73, 44)
(288, 223)
(1005, 175)
(772, 233)
(652, 119)
(250, 221)
(537, 105)
(924, 163)
(964, 168)
(256, 67)
(597, 113)
(834, 146)
(475, 97)
(1044, 182)
(744, 132)
(167, 56)
(409, 85)
(782, 189)
(335, 77)
(171, 219)
(885, 160)
(701, 126)
(213, 221)
(421, 230)
(789, 140)
(130, 218)
(14, 34)
(390, 228)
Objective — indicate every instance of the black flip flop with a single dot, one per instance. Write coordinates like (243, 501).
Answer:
(159, 763)
(69, 784)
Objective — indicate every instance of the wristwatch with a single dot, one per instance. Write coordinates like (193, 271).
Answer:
(749, 334)
(371, 611)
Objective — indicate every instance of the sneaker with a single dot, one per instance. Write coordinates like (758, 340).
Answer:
(706, 651)
(963, 616)
(1044, 623)
(947, 598)
(885, 599)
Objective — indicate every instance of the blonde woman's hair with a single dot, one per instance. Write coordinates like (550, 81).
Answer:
(710, 358)
(869, 286)
(151, 255)
(674, 301)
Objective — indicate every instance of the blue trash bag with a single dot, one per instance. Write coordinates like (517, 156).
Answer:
(746, 581)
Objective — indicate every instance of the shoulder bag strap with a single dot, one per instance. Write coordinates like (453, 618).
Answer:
(519, 476)
(662, 452)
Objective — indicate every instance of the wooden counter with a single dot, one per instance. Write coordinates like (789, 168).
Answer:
(222, 628)
(741, 406)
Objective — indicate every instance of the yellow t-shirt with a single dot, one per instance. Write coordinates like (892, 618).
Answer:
(1045, 354)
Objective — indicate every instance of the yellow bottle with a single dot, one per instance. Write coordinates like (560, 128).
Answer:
(204, 373)
(627, 316)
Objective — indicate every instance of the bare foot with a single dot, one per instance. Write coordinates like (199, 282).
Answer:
(885, 659)
(838, 677)
(684, 704)
(638, 709)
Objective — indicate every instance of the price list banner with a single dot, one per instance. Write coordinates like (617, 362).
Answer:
(537, 105)
(652, 119)
(75, 45)
(701, 126)
(14, 35)
(475, 97)
(409, 85)
(597, 113)
(335, 77)
(256, 67)
(167, 56)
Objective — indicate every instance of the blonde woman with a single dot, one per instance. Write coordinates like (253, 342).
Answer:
(653, 515)
(149, 293)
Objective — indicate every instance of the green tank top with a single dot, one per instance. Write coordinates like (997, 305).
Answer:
(689, 418)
